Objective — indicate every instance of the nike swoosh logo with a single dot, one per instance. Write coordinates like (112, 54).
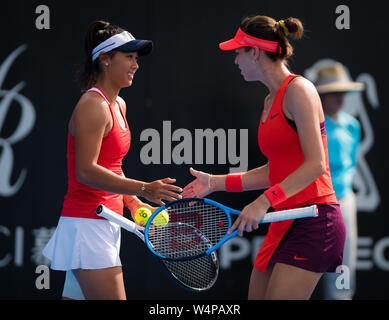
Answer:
(273, 116)
(298, 258)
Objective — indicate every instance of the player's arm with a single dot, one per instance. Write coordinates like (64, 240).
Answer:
(90, 120)
(303, 104)
(254, 179)
(131, 202)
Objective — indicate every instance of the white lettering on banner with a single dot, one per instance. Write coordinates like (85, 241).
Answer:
(367, 194)
(364, 253)
(25, 125)
(42, 236)
(370, 253)
(376, 254)
(18, 247)
(379, 254)
(233, 250)
(239, 249)
(8, 257)
(182, 152)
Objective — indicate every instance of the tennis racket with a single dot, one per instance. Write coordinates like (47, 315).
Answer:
(194, 222)
(194, 275)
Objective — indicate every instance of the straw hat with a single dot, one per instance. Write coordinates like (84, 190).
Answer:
(334, 78)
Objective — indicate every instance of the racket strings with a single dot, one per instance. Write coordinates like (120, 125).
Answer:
(191, 230)
(198, 274)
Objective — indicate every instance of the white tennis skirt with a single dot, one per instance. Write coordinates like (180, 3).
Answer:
(81, 243)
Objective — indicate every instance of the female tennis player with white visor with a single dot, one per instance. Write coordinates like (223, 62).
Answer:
(291, 134)
(85, 245)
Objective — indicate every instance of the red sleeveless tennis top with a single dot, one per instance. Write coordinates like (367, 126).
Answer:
(81, 200)
(280, 143)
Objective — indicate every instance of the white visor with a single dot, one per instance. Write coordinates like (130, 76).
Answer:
(124, 41)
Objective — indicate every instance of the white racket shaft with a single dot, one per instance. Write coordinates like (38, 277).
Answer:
(304, 212)
(121, 221)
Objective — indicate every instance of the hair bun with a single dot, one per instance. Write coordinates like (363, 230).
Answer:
(295, 28)
(98, 25)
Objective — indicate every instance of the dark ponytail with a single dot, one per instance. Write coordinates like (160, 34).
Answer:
(291, 27)
(269, 29)
(97, 32)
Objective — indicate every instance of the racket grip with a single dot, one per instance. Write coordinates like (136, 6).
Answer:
(103, 211)
(299, 213)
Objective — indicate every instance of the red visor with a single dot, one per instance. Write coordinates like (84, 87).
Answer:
(242, 39)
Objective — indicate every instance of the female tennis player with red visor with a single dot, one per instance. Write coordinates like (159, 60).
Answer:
(84, 245)
(291, 134)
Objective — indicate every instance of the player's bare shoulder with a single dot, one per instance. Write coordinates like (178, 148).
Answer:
(122, 103)
(301, 90)
(90, 109)
(92, 102)
(300, 85)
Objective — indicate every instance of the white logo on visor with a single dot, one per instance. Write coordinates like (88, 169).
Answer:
(112, 43)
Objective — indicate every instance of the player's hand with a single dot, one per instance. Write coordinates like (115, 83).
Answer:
(198, 188)
(250, 216)
(159, 190)
(133, 204)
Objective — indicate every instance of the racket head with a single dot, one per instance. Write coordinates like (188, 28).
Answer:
(193, 224)
(194, 275)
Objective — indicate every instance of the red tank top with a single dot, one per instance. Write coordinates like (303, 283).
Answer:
(280, 143)
(81, 200)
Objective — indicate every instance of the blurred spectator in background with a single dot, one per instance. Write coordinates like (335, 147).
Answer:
(343, 137)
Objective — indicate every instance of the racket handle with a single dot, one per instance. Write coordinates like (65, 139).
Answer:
(103, 211)
(283, 215)
(298, 213)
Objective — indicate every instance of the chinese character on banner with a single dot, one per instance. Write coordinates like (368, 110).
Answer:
(42, 237)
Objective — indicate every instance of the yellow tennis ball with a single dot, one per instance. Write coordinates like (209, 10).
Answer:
(161, 219)
(142, 215)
